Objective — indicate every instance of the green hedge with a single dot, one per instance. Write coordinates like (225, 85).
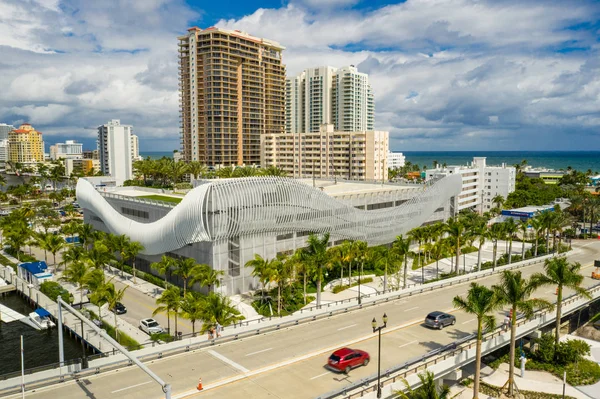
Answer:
(53, 290)
(149, 277)
(339, 288)
(4, 260)
(124, 339)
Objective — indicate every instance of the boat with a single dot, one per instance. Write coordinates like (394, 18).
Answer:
(41, 318)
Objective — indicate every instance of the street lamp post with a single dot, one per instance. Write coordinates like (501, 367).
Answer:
(362, 261)
(378, 329)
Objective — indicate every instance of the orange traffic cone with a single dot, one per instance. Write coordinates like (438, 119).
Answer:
(200, 384)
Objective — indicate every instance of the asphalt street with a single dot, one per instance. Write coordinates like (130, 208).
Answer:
(290, 363)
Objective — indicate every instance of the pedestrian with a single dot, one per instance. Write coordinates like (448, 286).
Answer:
(506, 323)
(218, 328)
(210, 333)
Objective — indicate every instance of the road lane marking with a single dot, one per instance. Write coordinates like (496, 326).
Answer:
(228, 361)
(408, 310)
(468, 321)
(408, 343)
(133, 386)
(257, 352)
(343, 328)
(320, 375)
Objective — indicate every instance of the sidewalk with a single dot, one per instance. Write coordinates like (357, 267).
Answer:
(534, 381)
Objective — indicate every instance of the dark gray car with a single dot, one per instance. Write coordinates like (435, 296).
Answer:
(439, 320)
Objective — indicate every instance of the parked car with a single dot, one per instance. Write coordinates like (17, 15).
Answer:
(151, 326)
(439, 320)
(120, 308)
(345, 359)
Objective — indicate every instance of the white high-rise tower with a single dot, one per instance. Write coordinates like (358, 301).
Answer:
(326, 95)
(114, 150)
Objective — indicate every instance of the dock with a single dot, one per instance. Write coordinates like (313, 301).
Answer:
(8, 315)
(5, 287)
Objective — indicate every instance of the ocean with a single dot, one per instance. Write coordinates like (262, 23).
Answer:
(580, 160)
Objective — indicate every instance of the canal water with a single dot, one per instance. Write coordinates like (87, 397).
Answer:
(41, 347)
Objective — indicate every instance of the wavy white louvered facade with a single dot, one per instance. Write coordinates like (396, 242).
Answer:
(222, 210)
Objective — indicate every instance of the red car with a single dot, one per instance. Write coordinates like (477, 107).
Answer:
(346, 359)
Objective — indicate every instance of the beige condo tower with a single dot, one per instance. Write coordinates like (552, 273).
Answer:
(232, 88)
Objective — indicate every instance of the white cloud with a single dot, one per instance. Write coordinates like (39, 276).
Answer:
(446, 74)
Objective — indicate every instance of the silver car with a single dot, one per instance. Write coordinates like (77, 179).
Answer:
(439, 320)
(150, 326)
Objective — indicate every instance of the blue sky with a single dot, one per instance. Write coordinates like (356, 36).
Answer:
(447, 74)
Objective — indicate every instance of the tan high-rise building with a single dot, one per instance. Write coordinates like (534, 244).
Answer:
(329, 154)
(232, 88)
(25, 145)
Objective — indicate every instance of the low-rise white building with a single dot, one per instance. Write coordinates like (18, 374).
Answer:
(395, 160)
(481, 183)
(70, 149)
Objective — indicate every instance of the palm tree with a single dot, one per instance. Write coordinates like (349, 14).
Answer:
(402, 247)
(498, 201)
(510, 228)
(86, 232)
(226, 172)
(186, 269)
(481, 232)
(196, 168)
(55, 244)
(273, 170)
(417, 234)
(99, 255)
(41, 241)
(515, 291)
(316, 254)
(118, 243)
(218, 309)
(192, 309)
(496, 233)
(456, 230)
(523, 227)
(536, 225)
(112, 296)
(206, 276)
(262, 269)
(164, 267)
(562, 274)
(131, 251)
(438, 252)
(480, 302)
(73, 254)
(176, 170)
(170, 303)
(76, 273)
(388, 258)
(429, 389)
(94, 281)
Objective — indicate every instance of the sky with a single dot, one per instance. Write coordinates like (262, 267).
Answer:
(447, 75)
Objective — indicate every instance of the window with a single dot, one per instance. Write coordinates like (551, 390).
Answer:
(285, 236)
(135, 212)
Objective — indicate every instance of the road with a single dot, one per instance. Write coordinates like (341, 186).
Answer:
(289, 363)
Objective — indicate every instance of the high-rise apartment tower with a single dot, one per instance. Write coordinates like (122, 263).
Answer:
(114, 150)
(232, 88)
(325, 95)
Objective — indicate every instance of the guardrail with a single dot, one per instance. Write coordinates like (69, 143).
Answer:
(429, 287)
(415, 365)
(180, 346)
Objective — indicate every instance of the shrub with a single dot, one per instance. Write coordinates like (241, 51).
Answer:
(13, 201)
(53, 290)
(571, 351)
(583, 372)
(567, 351)
(340, 288)
(545, 349)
